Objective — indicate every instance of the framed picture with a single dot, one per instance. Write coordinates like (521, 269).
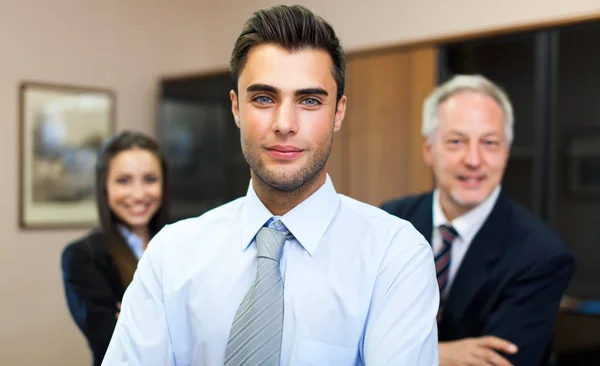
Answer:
(61, 130)
(201, 143)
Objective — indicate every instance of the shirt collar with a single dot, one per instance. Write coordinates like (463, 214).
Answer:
(133, 241)
(307, 222)
(466, 225)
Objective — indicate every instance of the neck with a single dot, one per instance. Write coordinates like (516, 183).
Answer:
(279, 202)
(143, 233)
(451, 208)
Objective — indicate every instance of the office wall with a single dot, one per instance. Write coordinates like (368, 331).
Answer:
(373, 24)
(378, 153)
(122, 45)
(126, 46)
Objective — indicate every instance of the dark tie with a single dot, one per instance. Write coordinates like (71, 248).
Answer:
(255, 336)
(442, 262)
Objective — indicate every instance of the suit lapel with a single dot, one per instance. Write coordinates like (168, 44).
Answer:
(422, 217)
(485, 249)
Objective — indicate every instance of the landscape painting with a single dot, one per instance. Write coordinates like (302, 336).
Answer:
(62, 129)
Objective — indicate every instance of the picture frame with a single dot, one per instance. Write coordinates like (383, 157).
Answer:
(61, 128)
(201, 143)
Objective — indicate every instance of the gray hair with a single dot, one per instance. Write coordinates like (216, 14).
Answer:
(459, 83)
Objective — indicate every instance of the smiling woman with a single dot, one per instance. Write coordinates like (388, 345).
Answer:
(133, 205)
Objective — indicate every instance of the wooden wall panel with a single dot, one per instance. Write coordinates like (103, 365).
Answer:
(338, 165)
(377, 127)
(423, 73)
(377, 155)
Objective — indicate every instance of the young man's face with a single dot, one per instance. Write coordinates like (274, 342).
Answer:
(468, 151)
(286, 112)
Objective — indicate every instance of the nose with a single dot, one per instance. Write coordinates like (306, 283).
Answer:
(285, 119)
(473, 156)
(138, 191)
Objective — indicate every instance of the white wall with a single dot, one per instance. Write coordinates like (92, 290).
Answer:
(368, 24)
(127, 46)
(122, 45)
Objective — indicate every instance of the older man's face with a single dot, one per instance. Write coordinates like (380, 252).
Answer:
(468, 151)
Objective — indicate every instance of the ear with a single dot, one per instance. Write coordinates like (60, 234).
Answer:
(339, 114)
(235, 108)
(427, 151)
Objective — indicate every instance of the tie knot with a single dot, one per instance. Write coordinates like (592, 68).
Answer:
(270, 240)
(448, 234)
(278, 226)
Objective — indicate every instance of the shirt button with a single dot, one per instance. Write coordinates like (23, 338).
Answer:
(278, 223)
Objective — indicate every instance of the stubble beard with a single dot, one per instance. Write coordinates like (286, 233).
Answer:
(286, 180)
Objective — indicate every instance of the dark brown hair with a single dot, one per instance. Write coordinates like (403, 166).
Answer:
(293, 28)
(122, 255)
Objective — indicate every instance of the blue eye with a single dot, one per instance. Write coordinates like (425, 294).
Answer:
(311, 102)
(263, 99)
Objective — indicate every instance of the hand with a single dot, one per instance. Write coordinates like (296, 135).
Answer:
(118, 312)
(569, 303)
(480, 351)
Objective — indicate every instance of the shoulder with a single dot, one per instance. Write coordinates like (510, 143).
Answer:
(84, 251)
(367, 211)
(90, 244)
(386, 226)
(183, 233)
(181, 248)
(214, 217)
(392, 242)
(537, 238)
(405, 206)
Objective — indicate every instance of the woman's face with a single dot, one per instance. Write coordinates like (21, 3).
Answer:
(134, 187)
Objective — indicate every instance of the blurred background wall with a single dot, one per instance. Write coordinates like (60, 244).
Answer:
(127, 46)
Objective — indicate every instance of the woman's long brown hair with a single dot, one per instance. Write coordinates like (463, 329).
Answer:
(122, 255)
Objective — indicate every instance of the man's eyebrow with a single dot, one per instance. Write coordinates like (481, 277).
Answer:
(311, 91)
(455, 132)
(300, 92)
(262, 88)
(458, 133)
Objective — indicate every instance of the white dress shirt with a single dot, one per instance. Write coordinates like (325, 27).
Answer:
(467, 226)
(360, 287)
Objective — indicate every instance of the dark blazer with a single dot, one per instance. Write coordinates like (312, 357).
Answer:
(93, 287)
(510, 281)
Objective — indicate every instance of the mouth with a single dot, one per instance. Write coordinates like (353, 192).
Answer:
(138, 209)
(287, 152)
(471, 181)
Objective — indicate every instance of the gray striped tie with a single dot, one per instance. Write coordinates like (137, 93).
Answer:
(255, 337)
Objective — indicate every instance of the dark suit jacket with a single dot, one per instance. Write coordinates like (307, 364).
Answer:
(93, 287)
(510, 281)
